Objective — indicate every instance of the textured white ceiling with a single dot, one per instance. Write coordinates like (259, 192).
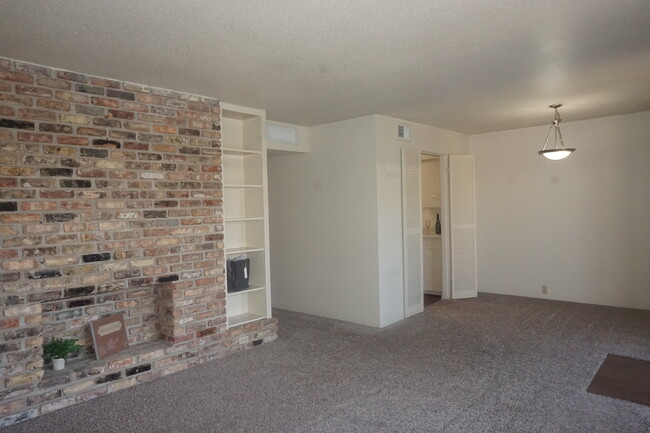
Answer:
(469, 66)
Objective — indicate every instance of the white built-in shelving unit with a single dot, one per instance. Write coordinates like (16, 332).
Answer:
(245, 205)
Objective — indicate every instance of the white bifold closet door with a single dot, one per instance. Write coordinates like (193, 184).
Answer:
(462, 223)
(412, 233)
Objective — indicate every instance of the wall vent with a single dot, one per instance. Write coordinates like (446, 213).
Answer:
(404, 132)
(281, 134)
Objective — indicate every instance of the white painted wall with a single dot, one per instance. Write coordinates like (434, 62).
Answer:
(580, 225)
(323, 224)
(389, 202)
(430, 181)
(430, 175)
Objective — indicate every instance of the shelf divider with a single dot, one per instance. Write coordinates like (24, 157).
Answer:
(251, 288)
(242, 250)
(231, 151)
(240, 319)
(236, 219)
(241, 186)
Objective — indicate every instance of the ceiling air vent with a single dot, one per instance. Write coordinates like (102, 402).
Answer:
(403, 132)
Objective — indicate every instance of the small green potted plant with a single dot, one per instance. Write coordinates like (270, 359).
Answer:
(58, 350)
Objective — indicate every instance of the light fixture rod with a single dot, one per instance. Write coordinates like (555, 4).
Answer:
(559, 133)
(547, 135)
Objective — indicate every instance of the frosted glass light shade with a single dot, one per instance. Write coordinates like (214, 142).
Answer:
(556, 154)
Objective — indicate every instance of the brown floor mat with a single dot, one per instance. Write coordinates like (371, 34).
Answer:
(623, 378)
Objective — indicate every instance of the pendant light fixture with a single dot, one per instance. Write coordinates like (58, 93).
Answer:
(556, 152)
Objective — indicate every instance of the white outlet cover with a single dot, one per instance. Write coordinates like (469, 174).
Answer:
(243, 340)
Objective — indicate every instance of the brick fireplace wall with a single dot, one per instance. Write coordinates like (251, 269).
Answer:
(110, 202)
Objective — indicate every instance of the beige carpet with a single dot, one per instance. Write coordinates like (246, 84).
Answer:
(493, 364)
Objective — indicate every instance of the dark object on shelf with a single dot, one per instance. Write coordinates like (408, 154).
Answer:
(438, 227)
(238, 272)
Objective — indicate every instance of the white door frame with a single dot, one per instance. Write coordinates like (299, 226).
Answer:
(444, 222)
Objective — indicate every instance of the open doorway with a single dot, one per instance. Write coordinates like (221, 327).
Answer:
(454, 208)
(430, 188)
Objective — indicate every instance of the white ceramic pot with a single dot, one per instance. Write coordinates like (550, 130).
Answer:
(58, 363)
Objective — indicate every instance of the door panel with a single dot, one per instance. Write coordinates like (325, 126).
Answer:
(412, 233)
(462, 224)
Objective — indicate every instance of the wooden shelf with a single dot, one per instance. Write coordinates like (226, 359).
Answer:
(242, 186)
(246, 209)
(242, 250)
(251, 288)
(229, 220)
(240, 319)
(239, 152)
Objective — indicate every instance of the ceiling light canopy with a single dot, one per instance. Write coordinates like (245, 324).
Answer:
(556, 152)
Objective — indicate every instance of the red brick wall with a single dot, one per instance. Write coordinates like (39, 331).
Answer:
(110, 201)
